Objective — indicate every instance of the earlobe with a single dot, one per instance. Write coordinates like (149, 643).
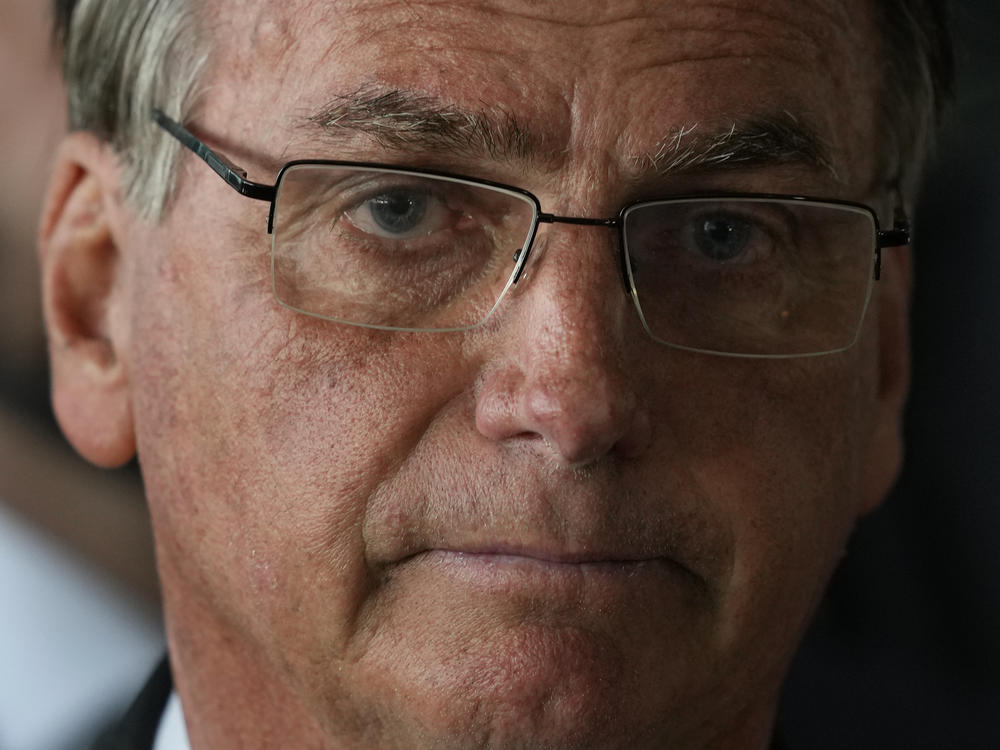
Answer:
(892, 303)
(85, 302)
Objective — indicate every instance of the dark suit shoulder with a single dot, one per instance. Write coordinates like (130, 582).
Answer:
(137, 728)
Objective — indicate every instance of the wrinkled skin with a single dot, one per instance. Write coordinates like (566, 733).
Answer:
(549, 532)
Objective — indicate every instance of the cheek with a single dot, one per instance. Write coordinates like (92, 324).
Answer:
(261, 447)
(781, 463)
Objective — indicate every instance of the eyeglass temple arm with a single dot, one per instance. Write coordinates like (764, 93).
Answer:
(898, 236)
(232, 174)
(895, 237)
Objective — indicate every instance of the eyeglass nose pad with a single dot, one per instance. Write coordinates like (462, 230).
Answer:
(623, 268)
(517, 257)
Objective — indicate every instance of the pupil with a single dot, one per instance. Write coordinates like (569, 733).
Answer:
(722, 239)
(399, 212)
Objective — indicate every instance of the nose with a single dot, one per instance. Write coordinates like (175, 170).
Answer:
(564, 375)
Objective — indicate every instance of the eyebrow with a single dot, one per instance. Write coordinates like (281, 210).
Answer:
(404, 120)
(781, 139)
(408, 121)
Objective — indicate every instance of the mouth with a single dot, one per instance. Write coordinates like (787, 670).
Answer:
(555, 558)
(511, 568)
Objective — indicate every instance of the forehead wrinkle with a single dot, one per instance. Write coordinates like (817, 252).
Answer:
(586, 15)
(821, 16)
(531, 11)
(812, 26)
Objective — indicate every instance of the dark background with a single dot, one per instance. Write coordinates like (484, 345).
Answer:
(906, 650)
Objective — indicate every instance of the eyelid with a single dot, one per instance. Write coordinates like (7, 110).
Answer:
(447, 193)
(366, 187)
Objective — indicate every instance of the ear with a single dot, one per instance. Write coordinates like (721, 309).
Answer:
(891, 300)
(85, 302)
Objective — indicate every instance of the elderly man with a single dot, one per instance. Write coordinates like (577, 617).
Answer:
(516, 397)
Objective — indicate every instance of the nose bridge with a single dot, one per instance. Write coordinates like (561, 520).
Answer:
(574, 386)
(571, 275)
(611, 225)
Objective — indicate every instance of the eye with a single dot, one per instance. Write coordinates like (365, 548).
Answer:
(723, 237)
(401, 213)
(398, 212)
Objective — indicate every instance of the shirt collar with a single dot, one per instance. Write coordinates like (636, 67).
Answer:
(172, 731)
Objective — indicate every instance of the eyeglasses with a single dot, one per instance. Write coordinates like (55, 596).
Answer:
(419, 250)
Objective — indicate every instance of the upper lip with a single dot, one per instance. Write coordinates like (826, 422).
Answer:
(550, 555)
(577, 520)
(603, 552)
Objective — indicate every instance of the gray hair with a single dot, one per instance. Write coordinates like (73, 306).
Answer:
(123, 57)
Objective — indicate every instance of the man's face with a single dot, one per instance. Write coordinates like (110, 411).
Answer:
(547, 532)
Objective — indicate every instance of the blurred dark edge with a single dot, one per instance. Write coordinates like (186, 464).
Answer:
(905, 652)
(100, 515)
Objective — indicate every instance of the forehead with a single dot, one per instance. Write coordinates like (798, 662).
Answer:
(598, 78)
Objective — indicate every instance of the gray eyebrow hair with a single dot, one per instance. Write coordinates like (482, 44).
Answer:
(404, 120)
(743, 144)
(400, 119)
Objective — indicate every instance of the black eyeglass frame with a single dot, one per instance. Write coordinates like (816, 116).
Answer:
(236, 177)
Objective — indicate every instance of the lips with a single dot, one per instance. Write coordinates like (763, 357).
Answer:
(510, 554)
(490, 565)
(499, 518)
(510, 568)
(513, 585)
(463, 543)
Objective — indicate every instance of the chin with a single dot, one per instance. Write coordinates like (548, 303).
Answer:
(535, 687)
